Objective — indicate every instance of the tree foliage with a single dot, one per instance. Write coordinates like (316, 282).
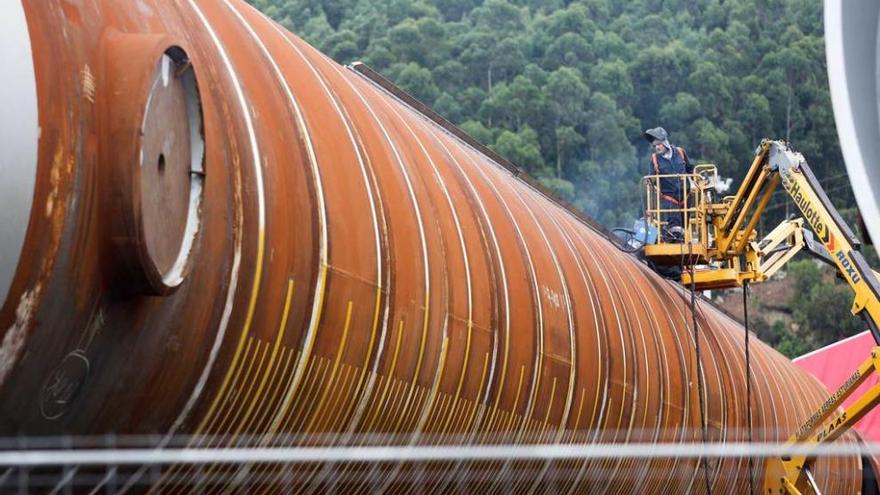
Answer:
(820, 304)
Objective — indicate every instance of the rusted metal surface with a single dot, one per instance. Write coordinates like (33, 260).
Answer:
(355, 269)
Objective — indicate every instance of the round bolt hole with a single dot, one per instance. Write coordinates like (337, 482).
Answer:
(161, 164)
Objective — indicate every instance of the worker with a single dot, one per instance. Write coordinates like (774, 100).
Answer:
(667, 160)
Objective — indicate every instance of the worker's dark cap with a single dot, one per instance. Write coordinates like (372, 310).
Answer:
(656, 134)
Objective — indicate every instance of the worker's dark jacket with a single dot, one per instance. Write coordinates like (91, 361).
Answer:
(678, 164)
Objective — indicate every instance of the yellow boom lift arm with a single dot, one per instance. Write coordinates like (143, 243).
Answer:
(721, 250)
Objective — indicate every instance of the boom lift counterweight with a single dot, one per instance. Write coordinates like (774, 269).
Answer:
(720, 250)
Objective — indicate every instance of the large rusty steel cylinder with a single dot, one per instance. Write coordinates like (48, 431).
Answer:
(226, 233)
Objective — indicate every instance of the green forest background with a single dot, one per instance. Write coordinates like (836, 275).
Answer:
(565, 88)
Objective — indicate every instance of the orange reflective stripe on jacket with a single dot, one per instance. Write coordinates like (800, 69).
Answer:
(670, 198)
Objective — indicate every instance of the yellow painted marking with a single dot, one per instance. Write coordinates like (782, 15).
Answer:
(597, 312)
(347, 378)
(417, 405)
(259, 399)
(503, 418)
(647, 391)
(396, 349)
(319, 385)
(390, 375)
(381, 385)
(319, 408)
(245, 387)
(422, 397)
(392, 405)
(422, 344)
(484, 410)
(424, 341)
(306, 353)
(408, 392)
(354, 388)
(173, 470)
(432, 404)
(467, 352)
(490, 426)
(454, 404)
(533, 394)
(246, 361)
(250, 380)
(321, 210)
(279, 376)
(522, 370)
(409, 413)
(312, 376)
(380, 388)
(598, 388)
(242, 389)
(461, 375)
(479, 389)
(437, 413)
(454, 420)
(310, 386)
(433, 413)
(435, 386)
(261, 412)
(503, 375)
(622, 405)
(550, 403)
(253, 379)
(448, 433)
(399, 402)
(577, 420)
(277, 380)
(460, 413)
(446, 411)
(344, 387)
(330, 391)
(467, 272)
(497, 421)
(360, 381)
(366, 366)
(285, 356)
(311, 389)
(252, 304)
(235, 378)
(255, 398)
(479, 408)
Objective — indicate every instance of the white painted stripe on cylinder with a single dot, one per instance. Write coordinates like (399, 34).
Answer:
(19, 139)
